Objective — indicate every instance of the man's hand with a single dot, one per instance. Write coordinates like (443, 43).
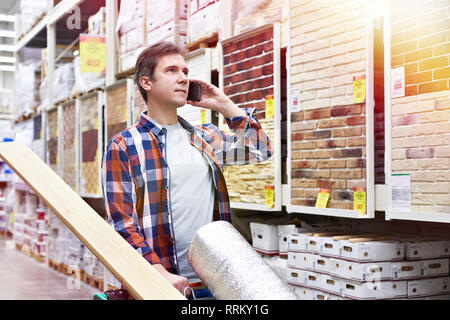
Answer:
(215, 99)
(180, 283)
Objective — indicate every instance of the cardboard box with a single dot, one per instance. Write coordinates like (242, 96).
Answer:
(284, 233)
(428, 287)
(406, 270)
(321, 264)
(375, 290)
(264, 238)
(357, 271)
(302, 260)
(358, 249)
(434, 267)
(312, 279)
(295, 276)
(427, 249)
(330, 245)
(331, 284)
(297, 242)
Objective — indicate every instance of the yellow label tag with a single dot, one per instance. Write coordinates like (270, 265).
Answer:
(40, 134)
(92, 53)
(269, 193)
(359, 89)
(359, 199)
(269, 107)
(125, 116)
(96, 124)
(203, 116)
(322, 198)
(11, 217)
(57, 159)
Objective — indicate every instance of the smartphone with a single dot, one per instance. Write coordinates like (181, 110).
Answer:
(195, 91)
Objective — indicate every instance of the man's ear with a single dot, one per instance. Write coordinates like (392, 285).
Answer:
(145, 83)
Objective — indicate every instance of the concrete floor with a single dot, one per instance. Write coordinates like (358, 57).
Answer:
(23, 278)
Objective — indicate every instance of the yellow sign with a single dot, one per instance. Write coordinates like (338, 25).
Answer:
(269, 107)
(322, 198)
(125, 115)
(92, 53)
(359, 199)
(203, 116)
(359, 89)
(269, 191)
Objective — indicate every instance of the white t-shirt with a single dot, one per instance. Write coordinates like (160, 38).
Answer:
(191, 192)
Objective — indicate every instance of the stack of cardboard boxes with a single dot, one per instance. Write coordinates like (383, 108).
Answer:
(345, 263)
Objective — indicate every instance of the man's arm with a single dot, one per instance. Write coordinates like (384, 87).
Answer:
(248, 143)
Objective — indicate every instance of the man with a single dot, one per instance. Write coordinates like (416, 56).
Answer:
(162, 177)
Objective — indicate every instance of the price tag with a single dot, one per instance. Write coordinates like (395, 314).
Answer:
(359, 199)
(269, 193)
(92, 53)
(125, 115)
(269, 107)
(322, 198)
(359, 89)
(203, 116)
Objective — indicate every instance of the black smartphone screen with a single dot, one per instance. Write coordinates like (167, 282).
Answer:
(195, 91)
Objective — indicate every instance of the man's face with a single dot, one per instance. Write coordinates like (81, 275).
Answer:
(170, 81)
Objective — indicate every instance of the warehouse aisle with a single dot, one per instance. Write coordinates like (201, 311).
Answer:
(23, 278)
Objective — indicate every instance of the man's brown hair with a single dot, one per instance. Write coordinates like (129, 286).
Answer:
(149, 58)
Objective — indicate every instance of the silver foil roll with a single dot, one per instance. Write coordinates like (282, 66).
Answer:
(231, 269)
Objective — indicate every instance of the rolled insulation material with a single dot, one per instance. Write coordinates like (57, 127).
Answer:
(231, 269)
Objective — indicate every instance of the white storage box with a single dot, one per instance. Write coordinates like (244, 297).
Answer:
(295, 276)
(312, 279)
(330, 245)
(375, 290)
(358, 271)
(406, 270)
(302, 260)
(427, 249)
(305, 293)
(321, 264)
(428, 287)
(297, 242)
(435, 267)
(331, 284)
(284, 233)
(264, 238)
(355, 250)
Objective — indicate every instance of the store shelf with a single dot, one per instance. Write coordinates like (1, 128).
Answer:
(52, 17)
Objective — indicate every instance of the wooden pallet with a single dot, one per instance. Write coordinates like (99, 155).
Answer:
(208, 41)
(125, 74)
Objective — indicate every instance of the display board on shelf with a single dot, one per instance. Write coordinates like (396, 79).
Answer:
(417, 113)
(52, 143)
(69, 142)
(330, 121)
(90, 146)
(200, 67)
(251, 78)
(119, 104)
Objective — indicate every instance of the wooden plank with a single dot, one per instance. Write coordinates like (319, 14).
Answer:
(125, 263)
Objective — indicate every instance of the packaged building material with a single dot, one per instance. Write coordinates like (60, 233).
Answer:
(363, 250)
(63, 82)
(204, 20)
(25, 78)
(131, 28)
(264, 238)
(116, 109)
(31, 11)
(38, 145)
(97, 22)
(427, 249)
(253, 14)
(86, 81)
(428, 287)
(375, 290)
(284, 233)
(166, 21)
